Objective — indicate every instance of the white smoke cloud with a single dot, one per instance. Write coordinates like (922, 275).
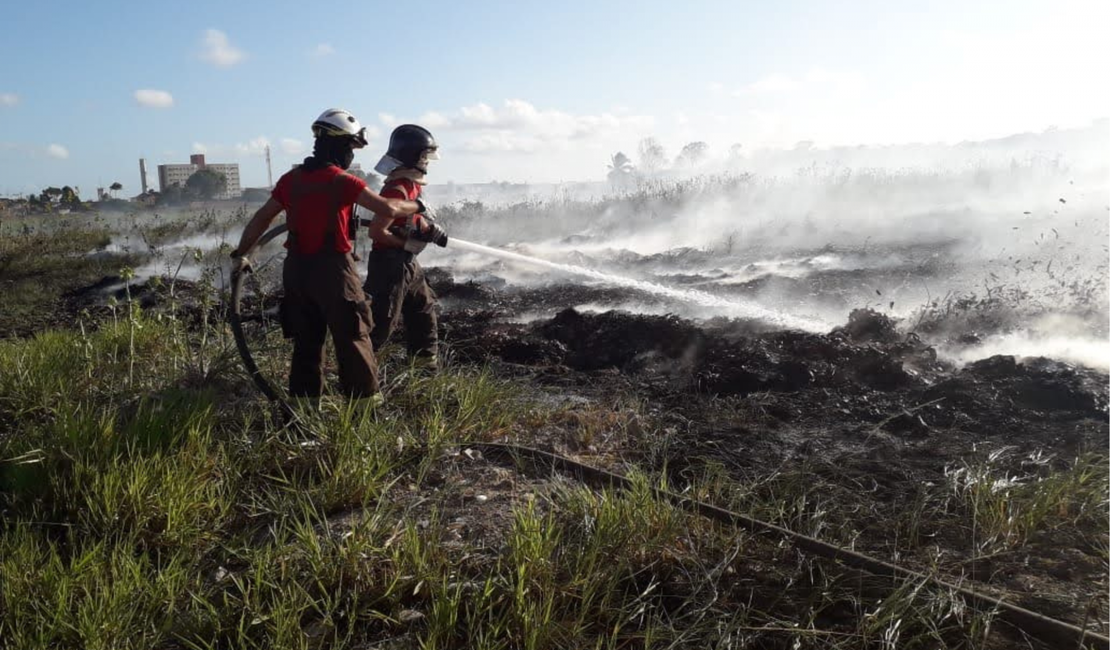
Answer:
(57, 151)
(154, 98)
(9, 99)
(322, 50)
(218, 50)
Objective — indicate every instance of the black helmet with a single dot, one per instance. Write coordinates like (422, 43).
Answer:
(410, 145)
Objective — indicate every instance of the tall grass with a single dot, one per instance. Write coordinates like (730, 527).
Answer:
(148, 499)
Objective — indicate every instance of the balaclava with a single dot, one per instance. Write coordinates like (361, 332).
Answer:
(330, 151)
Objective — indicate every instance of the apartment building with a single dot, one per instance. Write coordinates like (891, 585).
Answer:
(170, 175)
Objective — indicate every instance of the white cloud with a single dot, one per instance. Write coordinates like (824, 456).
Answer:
(153, 98)
(57, 151)
(521, 119)
(499, 143)
(519, 127)
(293, 147)
(254, 147)
(322, 50)
(433, 120)
(388, 119)
(218, 50)
(478, 115)
(9, 99)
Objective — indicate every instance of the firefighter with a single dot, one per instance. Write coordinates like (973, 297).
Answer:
(323, 291)
(394, 279)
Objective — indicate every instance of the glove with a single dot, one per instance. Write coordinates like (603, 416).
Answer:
(414, 244)
(425, 209)
(240, 263)
(432, 235)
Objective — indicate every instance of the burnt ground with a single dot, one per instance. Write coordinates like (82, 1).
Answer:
(868, 438)
(865, 421)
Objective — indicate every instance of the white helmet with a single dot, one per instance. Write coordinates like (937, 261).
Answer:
(337, 122)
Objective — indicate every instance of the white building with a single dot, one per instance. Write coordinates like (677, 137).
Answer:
(170, 175)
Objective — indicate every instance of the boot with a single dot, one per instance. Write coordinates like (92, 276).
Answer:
(367, 403)
(426, 364)
(305, 405)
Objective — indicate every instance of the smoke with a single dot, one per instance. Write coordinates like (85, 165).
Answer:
(984, 240)
(1060, 337)
(1008, 252)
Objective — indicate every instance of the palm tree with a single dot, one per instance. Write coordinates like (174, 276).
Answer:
(115, 187)
(620, 169)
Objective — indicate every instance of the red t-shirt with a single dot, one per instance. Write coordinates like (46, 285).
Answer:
(407, 190)
(313, 198)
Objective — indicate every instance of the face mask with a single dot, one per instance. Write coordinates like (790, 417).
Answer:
(347, 158)
(426, 157)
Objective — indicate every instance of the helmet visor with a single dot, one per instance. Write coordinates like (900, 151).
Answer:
(360, 138)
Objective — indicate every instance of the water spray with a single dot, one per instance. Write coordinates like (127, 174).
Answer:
(733, 308)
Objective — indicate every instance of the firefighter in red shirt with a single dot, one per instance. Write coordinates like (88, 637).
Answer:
(323, 291)
(394, 279)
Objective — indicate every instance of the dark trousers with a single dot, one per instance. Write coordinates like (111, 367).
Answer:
(323, 293)
(397, 288)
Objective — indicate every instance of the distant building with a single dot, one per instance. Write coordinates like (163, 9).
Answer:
(170, 175)
(255, 194)
(142, 174)
(147, 199)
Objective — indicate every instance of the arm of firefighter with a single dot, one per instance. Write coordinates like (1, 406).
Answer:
(257, 226)
(383, 207)
(379, 230)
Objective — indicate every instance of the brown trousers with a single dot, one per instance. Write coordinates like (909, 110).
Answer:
(324, 293)
(395, 282)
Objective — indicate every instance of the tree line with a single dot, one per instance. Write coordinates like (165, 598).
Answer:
(653, 159)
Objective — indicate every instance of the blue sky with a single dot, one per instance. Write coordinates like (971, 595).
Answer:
(526, 91)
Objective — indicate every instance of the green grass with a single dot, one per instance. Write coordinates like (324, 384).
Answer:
(1005, 508)
(150, 499)
(143, 510)
(37, 267)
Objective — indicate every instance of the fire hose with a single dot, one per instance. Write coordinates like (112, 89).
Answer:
(1057, 633)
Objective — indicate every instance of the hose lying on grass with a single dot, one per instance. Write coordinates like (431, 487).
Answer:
(1057, 633)
(1052, 631)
